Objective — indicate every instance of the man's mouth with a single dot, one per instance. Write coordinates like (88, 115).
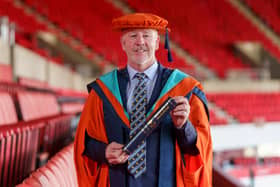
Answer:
(140, 50)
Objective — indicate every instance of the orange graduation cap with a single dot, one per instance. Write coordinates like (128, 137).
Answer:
(143, 21)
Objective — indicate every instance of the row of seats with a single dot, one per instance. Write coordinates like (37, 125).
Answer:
(59, 171)
(249, 107)
(271, 160)
(26, 28)
(252, 161)
(28, 82)
(25, 22)
(246, 172)
(26, 25)
(96, 35)
(18, 150)
(71, 108)
(245, 161)
(44, 107)
(36, 105)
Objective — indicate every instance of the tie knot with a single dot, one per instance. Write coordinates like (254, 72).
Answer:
(140, 76)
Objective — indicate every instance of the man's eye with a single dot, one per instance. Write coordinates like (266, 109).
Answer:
(133, 35)
(146, 36)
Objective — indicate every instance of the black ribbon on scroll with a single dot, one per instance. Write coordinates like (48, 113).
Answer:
(150, 125)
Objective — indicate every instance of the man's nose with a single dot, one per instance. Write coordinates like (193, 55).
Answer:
(140, 39)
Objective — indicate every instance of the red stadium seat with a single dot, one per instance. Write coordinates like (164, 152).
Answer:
(7, 109)
(6, 74)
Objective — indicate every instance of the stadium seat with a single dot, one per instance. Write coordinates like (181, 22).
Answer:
(7, 109)
(5, 73)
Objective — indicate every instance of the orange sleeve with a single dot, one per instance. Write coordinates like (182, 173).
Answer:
(196, 170)
(91, 121)
(199, 119)
(200, 166)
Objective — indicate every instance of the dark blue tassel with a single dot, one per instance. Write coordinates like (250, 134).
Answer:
(166, 43)
(170, 59)
(166, 46)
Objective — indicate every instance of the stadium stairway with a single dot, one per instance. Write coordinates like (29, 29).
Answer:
(257, 21)
(223, 117)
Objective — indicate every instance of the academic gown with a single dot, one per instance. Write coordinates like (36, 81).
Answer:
(105, 119)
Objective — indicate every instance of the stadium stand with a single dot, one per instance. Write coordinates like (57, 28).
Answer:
(32, 123)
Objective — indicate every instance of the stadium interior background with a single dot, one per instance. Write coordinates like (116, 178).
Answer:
(50, 50)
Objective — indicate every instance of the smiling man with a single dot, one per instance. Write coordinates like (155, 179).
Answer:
(140, 46)
(177, 153)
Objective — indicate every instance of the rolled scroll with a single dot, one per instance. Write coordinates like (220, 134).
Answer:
(151, 124)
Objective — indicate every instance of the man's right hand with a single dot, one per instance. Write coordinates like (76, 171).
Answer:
(114, 153)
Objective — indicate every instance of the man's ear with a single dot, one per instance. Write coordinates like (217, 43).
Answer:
(122, 42)
(157, 41)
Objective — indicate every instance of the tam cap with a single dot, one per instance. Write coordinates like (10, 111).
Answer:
(140, 21)
(143, 21)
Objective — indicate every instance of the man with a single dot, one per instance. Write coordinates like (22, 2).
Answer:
(177, 153)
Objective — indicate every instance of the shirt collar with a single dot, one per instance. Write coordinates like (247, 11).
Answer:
(150, 72)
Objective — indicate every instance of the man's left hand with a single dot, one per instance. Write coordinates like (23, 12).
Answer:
(180, 113)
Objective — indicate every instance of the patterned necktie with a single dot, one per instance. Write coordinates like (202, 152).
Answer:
(137, 160)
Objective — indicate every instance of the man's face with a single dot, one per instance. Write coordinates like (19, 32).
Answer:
(140, 46)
